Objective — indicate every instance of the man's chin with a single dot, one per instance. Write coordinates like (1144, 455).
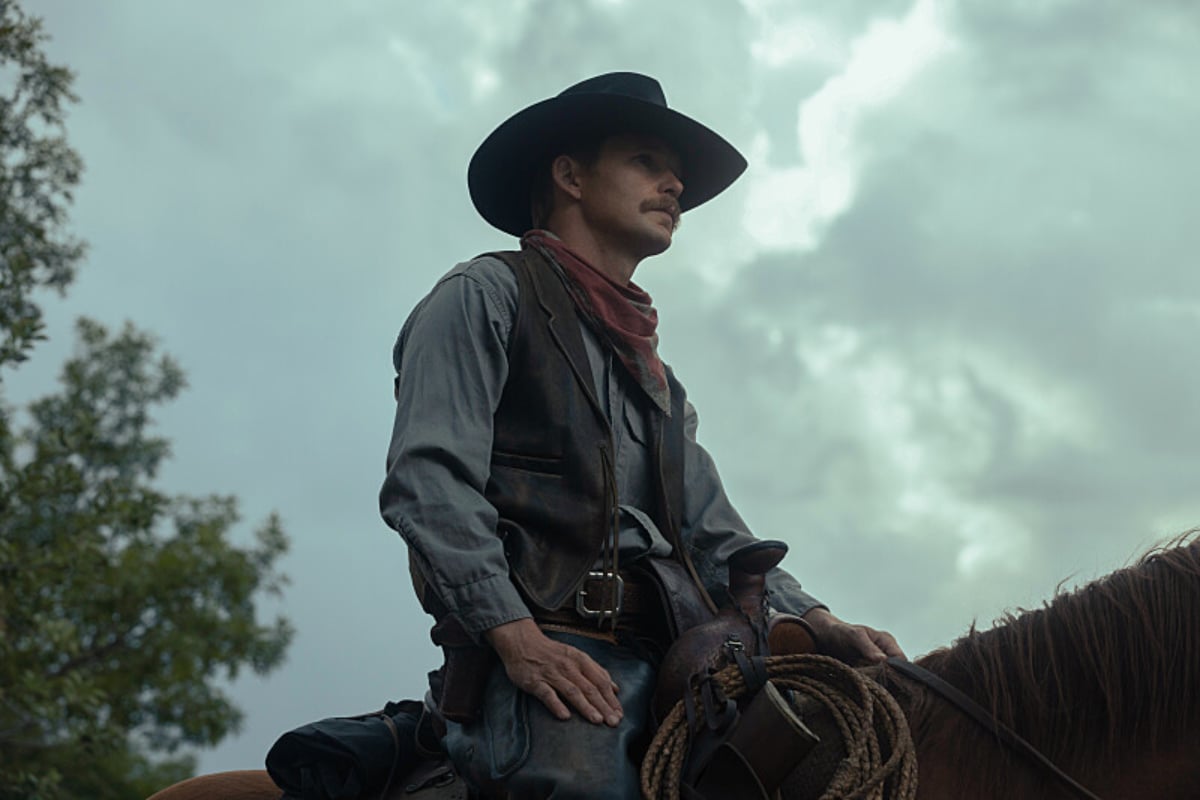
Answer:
(658, 246)
(649, 241)
(660, 241)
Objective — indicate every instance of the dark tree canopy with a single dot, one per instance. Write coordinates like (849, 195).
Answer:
(38, 171)
(121, 605)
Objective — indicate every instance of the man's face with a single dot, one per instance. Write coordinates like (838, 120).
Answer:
(630, 195)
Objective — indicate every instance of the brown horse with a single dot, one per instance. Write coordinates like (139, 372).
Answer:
(1104, 681)
(248, 784)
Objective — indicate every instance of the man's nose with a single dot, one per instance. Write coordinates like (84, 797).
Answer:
(672, 185)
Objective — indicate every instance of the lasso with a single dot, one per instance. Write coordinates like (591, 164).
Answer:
(880, 762)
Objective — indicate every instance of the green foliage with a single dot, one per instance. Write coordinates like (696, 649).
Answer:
(119, 603)
(38, 171)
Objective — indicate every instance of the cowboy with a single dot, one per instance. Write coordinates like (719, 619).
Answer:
(562, 522)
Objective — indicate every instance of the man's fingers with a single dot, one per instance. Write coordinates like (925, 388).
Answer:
(877, 645)
(849, 642)
(888, 644)
(550, 699)
(866, 644)
(596, 673)
(585, 698)
(556, 691)
(582, 699)
(597, 688)
(606, 688)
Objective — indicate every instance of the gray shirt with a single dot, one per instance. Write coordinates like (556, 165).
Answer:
(452, 365)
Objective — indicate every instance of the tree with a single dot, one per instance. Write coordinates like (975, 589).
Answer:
(38, 171)
(119, 601)
(120, 604)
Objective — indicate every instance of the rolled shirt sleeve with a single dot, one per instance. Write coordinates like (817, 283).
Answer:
(713, 530)
(451, 364)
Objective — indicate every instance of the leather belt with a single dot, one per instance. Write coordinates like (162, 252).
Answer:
(637, 602)
(607, 592)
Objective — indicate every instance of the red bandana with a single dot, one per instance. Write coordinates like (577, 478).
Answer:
(624, 316)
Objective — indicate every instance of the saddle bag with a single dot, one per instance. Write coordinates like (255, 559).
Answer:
(390, 754)
(751, 759)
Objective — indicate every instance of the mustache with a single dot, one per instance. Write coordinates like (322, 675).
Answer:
(668, 205)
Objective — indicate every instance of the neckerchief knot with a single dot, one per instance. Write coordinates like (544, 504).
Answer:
(623, 316)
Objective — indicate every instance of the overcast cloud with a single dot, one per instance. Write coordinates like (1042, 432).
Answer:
(941, 336)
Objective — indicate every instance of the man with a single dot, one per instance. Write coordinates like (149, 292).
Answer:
(543, 468)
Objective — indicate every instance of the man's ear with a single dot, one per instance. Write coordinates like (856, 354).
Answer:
(566, 173)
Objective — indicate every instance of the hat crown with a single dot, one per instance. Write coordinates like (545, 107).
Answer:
(626, 84)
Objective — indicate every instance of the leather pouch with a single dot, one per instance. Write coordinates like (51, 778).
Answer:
(464, 672)
(764, 746)
(680, 596)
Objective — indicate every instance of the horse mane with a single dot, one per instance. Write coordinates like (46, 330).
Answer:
(1097, 675)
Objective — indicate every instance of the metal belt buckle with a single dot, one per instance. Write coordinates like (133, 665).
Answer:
(618, 584)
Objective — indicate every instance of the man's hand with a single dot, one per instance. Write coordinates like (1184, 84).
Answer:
(553, 672)
(851, 643)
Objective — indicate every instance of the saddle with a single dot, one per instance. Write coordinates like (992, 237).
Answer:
(742, 749)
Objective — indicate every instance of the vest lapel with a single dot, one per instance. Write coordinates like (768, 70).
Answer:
(564, 329)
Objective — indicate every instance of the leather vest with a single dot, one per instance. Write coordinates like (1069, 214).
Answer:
(552, 473)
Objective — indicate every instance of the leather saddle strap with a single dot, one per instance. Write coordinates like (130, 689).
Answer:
(1005, 734)
(753, 669)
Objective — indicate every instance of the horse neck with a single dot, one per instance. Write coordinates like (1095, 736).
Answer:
(977, 768)
(957, 758)
(1170, 774)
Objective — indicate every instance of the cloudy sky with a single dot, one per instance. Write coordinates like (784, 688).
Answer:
(942, 335)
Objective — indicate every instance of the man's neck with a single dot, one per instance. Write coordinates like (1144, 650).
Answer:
(617, 265)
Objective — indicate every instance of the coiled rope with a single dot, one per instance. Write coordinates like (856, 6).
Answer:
(880, 762)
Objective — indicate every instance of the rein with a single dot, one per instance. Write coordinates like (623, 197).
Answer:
(987, 721)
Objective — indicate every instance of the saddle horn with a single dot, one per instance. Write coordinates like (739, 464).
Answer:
(742, 626)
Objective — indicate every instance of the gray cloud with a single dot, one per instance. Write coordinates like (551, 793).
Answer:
(1013, 285)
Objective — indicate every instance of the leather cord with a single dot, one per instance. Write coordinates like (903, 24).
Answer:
(1005, 734)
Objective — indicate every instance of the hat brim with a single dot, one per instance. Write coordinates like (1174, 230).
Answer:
(501, 172)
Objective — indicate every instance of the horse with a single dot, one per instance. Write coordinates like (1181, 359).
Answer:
(1102, 682)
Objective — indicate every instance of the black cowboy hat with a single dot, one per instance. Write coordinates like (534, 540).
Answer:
(501, 171)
